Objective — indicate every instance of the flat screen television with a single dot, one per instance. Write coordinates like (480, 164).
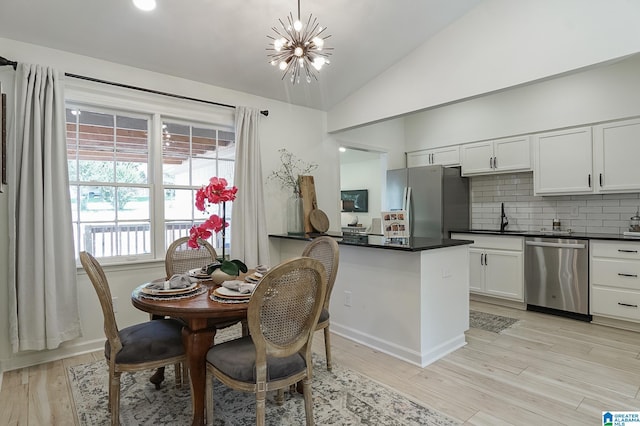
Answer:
(355, 200)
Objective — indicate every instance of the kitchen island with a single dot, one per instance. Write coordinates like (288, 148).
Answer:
(410, 300)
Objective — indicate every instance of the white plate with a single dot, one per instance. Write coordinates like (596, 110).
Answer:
(169, 291)
(197, 273)
(227, 292)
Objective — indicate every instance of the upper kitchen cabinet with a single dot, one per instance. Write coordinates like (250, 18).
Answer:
(498, 156)
(563, 162)
(587, 160)
(616, 151)
(447, 156)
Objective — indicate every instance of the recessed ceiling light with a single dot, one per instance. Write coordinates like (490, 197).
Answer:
(145, 5)
(342, 149)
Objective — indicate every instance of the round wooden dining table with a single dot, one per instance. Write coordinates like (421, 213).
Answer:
(201, 316)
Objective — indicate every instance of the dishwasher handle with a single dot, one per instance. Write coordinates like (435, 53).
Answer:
(556, 245)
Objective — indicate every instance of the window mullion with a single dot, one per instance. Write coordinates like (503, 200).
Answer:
(157, 186)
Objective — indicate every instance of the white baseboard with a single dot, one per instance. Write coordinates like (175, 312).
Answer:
(406, 354)
(29, 359)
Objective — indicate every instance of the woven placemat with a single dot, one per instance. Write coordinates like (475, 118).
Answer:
(198, 291)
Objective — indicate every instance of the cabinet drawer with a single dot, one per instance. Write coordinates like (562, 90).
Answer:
(616, 273)
(623, 304)
(492, 242)
(617, 249)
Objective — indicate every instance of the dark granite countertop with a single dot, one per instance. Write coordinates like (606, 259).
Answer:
(573, 235)
(378, 241)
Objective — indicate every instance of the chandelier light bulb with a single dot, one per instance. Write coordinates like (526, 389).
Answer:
(318, 63)
(301, 62)
(298, 51)
(318, 42)
(283, 65)
(146, 5)
(297, 25)
(277, 44)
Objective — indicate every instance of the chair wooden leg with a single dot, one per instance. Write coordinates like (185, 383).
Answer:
(260, 407)
(114, 397)
(279, 396)
(308, 402)
(178, 372)
(158, 377)
(245, 328)
(209, 399)
(327, 347)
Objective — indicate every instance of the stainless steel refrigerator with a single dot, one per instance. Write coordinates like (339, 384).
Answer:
(436, 197)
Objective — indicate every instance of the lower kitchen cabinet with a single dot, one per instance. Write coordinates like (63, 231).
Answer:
(496, 266)
(615, 281)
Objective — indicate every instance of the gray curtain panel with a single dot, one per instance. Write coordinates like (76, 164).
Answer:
(42, 270)
(249, 239)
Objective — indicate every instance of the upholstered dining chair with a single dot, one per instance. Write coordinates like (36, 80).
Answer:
(143, 346)
(283, 313)
(325, 249)
(180, 258)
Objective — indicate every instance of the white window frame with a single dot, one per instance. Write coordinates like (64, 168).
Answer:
(89, 94)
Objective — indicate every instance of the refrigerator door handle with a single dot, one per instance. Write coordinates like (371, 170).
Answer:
(407, 199)
(404, 198)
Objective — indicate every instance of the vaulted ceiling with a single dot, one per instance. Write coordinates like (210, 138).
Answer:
(224, 42)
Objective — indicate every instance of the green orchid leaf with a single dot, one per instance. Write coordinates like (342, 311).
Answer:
(230, 268)
(212, 267)
(241, 266)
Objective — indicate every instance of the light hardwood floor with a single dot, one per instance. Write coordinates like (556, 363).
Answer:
(543, 370)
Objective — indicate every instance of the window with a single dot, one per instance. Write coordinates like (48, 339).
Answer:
(191, 155)
(133, 173)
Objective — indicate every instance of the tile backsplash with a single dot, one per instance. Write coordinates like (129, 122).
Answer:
(601, 214)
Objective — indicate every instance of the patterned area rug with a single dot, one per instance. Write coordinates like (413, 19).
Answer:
(490, 322)
(341, 397)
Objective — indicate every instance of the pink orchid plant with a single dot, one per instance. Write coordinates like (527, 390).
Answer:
(214, 193)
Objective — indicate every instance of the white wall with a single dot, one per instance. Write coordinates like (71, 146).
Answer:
(595, 95)
(497, 45)
(301, 130)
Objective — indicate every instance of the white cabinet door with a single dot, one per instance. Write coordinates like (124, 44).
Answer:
(563, 162)
(476, 270)
(504, 274)
(477, 158)
(446, 156)
(499, 156)
(419, 158)
(512, 154)
(617, 151)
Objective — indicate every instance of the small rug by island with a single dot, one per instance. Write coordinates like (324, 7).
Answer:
(340, 397)
(490, 322)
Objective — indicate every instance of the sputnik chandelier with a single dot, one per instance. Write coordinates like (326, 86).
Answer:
(298, 48)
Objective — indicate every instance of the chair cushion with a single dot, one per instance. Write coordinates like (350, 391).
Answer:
(237, 359)
(324, 315)
(149, 341)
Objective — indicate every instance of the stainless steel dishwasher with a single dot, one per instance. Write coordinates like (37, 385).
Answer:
(557, 276)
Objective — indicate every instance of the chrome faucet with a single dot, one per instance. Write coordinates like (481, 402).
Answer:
(503, 219)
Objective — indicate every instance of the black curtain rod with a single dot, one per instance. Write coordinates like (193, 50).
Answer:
(4, 62)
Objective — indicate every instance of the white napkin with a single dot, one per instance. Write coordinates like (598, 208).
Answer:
(176, 281)
(239, 286)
